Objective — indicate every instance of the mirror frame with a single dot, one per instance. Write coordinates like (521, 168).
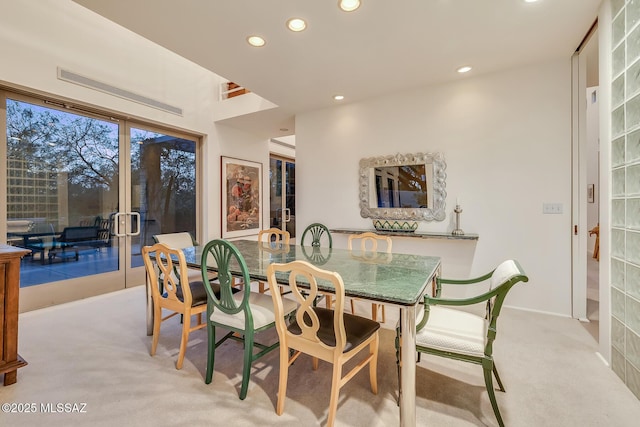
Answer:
(434, 213)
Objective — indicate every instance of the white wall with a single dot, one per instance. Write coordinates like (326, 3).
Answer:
(37, 37)
(241, 145)
(506, 138)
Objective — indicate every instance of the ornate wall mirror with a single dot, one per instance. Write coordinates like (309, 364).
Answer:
(403, 187)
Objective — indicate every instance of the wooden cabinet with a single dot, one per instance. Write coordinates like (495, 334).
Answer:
(10, 361)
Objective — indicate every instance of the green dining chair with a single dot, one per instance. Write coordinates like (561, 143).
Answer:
(317, 255)
(462, 335)
(319, 234)
(243, 313)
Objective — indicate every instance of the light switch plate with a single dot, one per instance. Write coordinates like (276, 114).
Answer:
(552, 208)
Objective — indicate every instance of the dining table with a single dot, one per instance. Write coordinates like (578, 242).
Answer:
(395, 279)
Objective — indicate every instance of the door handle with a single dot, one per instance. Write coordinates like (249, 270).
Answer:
(120, 221)
(286, 215)
(137, 215)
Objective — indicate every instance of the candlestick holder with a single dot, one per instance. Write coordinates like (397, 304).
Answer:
(458, 231)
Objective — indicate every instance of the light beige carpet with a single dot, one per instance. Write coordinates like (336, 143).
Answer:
(96, 352)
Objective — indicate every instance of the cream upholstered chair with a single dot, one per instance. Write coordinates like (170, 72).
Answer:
(272, 235)
(182, 240)
(329, 335)
(462, 335)
(369, 243)
(243, 313)
(179, 294)
(179, 240)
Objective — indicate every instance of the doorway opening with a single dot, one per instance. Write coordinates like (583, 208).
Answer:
(282, 194)
(586, 183)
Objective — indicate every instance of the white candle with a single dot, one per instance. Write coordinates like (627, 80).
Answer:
(457, 201)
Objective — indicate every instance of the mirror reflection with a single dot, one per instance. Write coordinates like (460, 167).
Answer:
(403, 187)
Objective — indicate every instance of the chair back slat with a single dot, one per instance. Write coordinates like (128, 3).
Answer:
(306, 316)
(274, 235)
(303, 282)
(369, 242)
(507, 274)
(224, 256)
(317, 231)
(165, 276)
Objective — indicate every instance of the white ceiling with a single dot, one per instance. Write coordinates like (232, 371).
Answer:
(383, 47)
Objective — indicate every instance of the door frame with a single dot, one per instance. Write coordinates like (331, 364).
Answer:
(126, 276)
(284, 159)
(579, 246)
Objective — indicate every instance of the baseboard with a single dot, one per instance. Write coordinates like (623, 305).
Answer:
(602, 359)
(539, 311)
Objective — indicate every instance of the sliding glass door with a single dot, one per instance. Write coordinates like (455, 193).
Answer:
(282, 194)
(163, 187)
(84, 192)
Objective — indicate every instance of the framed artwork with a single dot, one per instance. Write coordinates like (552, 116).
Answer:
(590, 193)
(241, 197)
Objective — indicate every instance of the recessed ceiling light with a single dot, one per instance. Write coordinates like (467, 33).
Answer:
(296, 24)
(338, 97)
(464, 69)
(349, 5)
(530, 1)
(256, 41)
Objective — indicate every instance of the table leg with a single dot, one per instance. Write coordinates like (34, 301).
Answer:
(408, 367)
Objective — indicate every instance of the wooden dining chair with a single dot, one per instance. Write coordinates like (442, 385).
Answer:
(329, 335)
(182, 240)
(369, 243)
(272, 235)
(462, 335)
(179, 294)
(243, 313)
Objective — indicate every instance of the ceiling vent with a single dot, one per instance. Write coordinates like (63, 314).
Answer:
(72, 77)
